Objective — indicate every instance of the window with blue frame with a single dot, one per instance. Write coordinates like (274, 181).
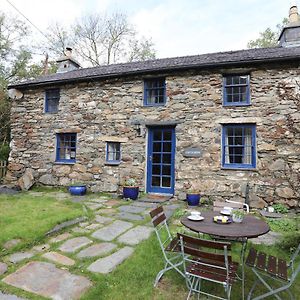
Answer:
(154, 91)
(66, 147)
(113, 152)
(236, 90)
(239, 149)
(52, 100)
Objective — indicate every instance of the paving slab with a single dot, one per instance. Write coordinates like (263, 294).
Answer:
(98, 200)
(19, 256)
(109, 263)
(107, 211)
(93, 226)
(172, 206)
(269, 238)
(132, 209)
(60, 237)
(113, 203)
(9, 297)
(103, 220)
(79, 230)
(110, 232)
(129, 216)
(144, 204)
(46, 280)
(74, 244)
(3, 268)
(66, 224)
(11, 243)
(84, 224)
(59, 258)
(97, 250)
(135, 235)
(93, 206)
(40, 248)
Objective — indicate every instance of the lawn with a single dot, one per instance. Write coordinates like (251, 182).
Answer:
(27, 217)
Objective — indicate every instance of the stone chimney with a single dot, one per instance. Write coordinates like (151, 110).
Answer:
(290, 34)
(67, 63)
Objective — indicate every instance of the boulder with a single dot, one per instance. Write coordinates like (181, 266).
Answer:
(256, 202)
(285, 192)
(27, 180)
(48, 179)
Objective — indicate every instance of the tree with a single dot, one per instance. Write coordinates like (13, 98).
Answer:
(269, 37)
(141, 50)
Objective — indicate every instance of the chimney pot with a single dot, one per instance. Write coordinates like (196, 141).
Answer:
(68, 51)
(293, 14)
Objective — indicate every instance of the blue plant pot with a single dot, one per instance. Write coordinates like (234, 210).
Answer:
(78, 190)
(131, 192)
(193, 199)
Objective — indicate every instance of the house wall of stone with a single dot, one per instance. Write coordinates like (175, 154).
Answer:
(105, 110)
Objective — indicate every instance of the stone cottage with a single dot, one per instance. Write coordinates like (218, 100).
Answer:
(216, 123)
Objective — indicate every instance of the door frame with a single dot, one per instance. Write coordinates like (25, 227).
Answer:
(160, 190)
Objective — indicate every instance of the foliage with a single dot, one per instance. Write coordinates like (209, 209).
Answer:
(238, 213)
(284, 225)
(130, 182)
(280, 208)
(4, 151)
(290, 242)
(268, 37)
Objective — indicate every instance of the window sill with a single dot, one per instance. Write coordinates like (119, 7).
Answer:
(50, 113)
(112, 163)
(236, 104)
(239, 168)
(65, 162)
(154, 105)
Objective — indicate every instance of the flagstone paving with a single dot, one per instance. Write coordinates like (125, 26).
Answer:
(52, 279)
(9, 297)
(59, 258)
(74, 244)
(107, 264)
(96, 250)
(19, 256)
(111, 231)
(46, 280)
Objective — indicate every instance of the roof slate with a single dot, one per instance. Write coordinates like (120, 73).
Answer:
(230, 58)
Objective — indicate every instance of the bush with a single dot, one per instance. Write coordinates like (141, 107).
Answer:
(280, 208)
(289, 242)
(4, 152)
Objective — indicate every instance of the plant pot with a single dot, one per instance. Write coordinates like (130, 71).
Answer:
(131, 192)
(237, 219)
(77, 190)
(193, 199)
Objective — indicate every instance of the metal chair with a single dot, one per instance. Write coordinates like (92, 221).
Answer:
(169, 245)
(209, 261)
(219, 205)
(272, 267)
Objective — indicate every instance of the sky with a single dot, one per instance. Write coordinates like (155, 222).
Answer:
(177, 27)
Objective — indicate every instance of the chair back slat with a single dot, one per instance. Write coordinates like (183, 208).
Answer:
(261, 261)
(204, 243)
(282, 269)
(159, 220)
(155, 212)
(206, 256)
(272, 265)
(251, 257)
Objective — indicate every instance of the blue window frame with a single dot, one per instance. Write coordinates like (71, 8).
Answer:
(52, 100)
(66, 147)
(154, 91)
(113, 152)
(236, 91)
(239, 146)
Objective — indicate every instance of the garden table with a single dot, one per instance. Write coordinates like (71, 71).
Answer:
(251, 227)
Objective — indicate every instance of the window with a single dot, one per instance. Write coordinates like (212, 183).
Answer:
(239, 146)
(154, 92)
(113, 152)
(66, 147)
(51, 100)
(236, 90)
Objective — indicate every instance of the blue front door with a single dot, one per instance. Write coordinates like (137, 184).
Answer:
(161, 160)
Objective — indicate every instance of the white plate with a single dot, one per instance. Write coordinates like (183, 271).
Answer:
(195, 218)
(225, 212)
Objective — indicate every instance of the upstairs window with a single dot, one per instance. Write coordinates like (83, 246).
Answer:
(113, 152)
(52, 100)
(236, 90)
(239, 149)
(154, 92)
(66, 147)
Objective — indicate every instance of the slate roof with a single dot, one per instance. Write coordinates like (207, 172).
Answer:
(210, 60)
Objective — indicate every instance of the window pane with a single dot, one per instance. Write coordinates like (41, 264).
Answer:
(167, 147)
(166, 181)
(113, 151)
(166, 158)
(156, 158)
(168, 135)
(157, 135)
(156, 169)
(166, 170)
(155, 91)
(66, 146)
(155, 181)
(156, 147)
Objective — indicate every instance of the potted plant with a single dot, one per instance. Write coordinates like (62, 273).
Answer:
(77, 189)
(130, 189)
(193, 198)
(238, 216)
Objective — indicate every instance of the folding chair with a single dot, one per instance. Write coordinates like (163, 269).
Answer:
(272, 267)
(219, 205)
(209, 261)
(169, 245)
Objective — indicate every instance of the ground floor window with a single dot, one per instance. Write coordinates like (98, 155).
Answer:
(66, 147)
(238, 149)
(113, 152)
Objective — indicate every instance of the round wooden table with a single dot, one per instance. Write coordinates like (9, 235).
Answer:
(251, 227)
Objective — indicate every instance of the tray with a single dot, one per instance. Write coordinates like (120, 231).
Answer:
(218, 220)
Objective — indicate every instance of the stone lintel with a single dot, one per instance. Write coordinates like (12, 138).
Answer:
(107, 138)
(68, 130)
(241, 120)
(162, 123)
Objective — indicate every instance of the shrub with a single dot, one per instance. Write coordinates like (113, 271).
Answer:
(4, 152)
(280, 208)
(289, 242)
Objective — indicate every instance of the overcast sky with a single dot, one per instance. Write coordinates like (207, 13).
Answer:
(177, 27)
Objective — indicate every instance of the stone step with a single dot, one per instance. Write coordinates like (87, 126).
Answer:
(108, 264)
(111, 231)
(72, 245)
(96, 250)
(135, 235)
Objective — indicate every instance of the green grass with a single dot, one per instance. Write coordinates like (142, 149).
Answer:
(28, 217)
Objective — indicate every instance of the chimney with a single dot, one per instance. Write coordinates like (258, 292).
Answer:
(290, 34)
(67, 63)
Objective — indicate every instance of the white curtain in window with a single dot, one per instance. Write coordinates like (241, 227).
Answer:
(227, 161)
(111, 151)
(248, 146)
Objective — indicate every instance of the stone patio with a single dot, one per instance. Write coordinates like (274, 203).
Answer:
(108, 239)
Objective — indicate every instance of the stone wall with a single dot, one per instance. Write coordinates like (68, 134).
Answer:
(101, 111)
